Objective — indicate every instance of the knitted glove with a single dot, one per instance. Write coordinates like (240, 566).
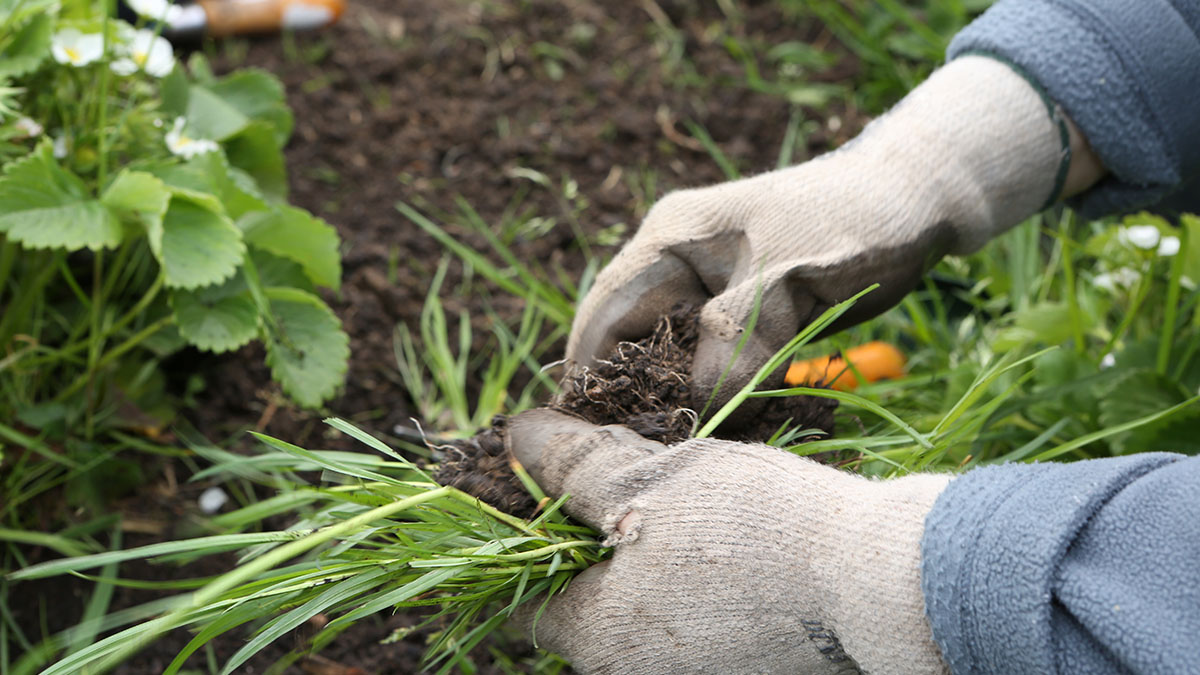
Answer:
(730, 557)
(971, 152)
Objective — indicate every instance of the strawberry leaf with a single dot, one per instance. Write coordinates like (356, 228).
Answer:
(138, 198)
(216, 319)
(307, 352)
(196, 244)
(27, 47)
(44, 206)
(299, 236)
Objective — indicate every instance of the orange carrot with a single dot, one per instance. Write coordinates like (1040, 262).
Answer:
(874, 360)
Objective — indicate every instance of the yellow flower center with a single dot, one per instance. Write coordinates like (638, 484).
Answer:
(140, 58)
(72, 54)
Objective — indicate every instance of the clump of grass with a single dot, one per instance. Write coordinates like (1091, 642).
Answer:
(388, 537)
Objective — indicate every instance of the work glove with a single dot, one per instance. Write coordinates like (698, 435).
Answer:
(971, 152)
(730, 557)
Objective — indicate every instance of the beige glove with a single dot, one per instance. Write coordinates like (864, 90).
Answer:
(731, 557)
(969, 153)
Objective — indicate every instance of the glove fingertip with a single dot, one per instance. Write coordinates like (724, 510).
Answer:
(533, 432)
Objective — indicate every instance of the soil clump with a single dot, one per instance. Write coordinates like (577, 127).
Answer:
(645, 385)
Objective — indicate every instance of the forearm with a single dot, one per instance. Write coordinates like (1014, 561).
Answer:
(1083, 567)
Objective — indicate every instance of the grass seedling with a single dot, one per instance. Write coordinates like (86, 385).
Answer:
(387, 538)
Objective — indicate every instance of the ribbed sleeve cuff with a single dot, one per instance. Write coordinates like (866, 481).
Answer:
(992, 545)
(1128, 74)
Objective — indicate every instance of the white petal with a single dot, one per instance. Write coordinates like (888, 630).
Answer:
(1108, 361)
(1127, 276)
(1168, 246)
(29, 126)
(151, 9)
(1141, 236)
(160, 60)
(1104, 281)
(77, 49)
(60, 147)
(124, 66)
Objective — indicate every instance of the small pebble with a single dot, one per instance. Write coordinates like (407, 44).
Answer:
(212, 499)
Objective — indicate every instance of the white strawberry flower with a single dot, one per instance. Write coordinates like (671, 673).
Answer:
(29, 127)
(72, 47)
(159, 10)
(1169, 246)
(1142, 236)
(144, 50)
(1124, 277)
(179, 143)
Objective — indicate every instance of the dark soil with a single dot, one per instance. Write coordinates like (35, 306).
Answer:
(426, 102)
(645, 385)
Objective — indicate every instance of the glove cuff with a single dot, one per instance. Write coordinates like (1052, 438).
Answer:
(878, 608)
(1057, 116)
(982, 145)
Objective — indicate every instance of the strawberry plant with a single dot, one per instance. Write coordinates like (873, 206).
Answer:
(142, 212)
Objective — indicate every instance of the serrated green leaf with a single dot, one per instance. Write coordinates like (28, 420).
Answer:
(16, 10)
(174, 90)
(1041, 323)
(255, 151)
(274, 270)
(1137, 394)
(44, 206)
(196, 245)
(137, 197)
(210, 116)
(299, 236)
(308, 352)
(27, 48)
(258, 95)
(215, 322)
(237, 191)
(1175, 434)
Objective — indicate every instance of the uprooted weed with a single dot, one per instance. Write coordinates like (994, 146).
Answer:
(645, 385)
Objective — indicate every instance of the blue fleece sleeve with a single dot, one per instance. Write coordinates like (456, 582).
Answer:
(1128, 74)
(1089, 567)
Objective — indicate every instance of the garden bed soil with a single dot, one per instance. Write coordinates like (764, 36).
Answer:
(429, 103)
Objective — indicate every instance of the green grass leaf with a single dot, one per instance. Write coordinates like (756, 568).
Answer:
(198, 546)
(299, 236)
(215, 322)
(196, 245)
(45, 206)
(308, 352)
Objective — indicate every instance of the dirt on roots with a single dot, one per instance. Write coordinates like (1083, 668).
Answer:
(645, 385)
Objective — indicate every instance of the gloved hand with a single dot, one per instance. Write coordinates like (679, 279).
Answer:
(730, 557)
(971, 152)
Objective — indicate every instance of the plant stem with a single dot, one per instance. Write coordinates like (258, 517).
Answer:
(1068, 264)
(1167, 337)
(115, 353)
(102, 112)
(38, 274)
(95, 339)
(1139, 295)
